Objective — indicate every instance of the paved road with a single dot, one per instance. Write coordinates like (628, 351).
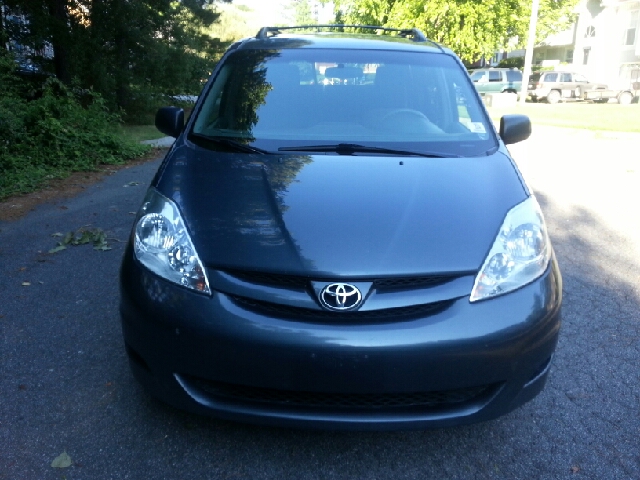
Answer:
(65, 385)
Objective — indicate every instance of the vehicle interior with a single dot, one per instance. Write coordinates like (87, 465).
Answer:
(339, 95)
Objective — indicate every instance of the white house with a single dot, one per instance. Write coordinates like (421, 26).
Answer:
(603, 44)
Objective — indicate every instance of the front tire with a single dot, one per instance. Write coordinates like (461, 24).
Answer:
(625, 98)
(553, 97)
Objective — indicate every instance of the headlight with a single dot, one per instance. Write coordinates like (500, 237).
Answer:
(162, 244)
(520, 253)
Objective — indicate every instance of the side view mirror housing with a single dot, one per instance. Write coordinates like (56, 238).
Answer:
(514, 128)
(170, 121)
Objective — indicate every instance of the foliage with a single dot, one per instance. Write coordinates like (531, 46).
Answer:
(469, 27)
(235, 22)
(72, 69)
(513, 62)
(62, 461)
(303, 13)
(57, 131)
(128, 51)
(82, 236)
(140, 133)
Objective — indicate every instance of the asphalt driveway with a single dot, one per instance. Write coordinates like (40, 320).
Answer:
(66, 387)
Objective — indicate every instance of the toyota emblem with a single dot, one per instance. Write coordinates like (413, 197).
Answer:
(340, 296)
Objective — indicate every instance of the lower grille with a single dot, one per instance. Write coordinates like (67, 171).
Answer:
(343, 401)
(306, 314)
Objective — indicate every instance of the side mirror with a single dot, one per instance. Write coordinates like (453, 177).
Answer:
(514, 128)
(170, 121)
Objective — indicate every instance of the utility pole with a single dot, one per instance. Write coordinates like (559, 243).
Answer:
(528, 56)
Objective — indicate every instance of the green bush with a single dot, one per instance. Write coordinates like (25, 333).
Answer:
(57, 130)
(513, 62)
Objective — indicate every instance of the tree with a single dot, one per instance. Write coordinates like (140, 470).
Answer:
(304, 13)
(472, 28)
(126, 50)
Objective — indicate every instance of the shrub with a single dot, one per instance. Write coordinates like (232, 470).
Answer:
(513, 62)
(53, 134)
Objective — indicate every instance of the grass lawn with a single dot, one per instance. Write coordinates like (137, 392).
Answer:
(589, 116)
(139, 133)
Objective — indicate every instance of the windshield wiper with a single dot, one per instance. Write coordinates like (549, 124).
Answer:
(351, 148)
(229, 143)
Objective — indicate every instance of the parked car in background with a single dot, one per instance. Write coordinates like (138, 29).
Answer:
(555, 86)
(360, 254)
(624, 96)
(497, 80)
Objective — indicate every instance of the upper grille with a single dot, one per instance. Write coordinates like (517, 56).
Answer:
(271, 279)
(306, 314)
(301, 282)
(343, 401)
(412, 282)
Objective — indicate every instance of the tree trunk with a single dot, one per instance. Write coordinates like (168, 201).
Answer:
(59, 38)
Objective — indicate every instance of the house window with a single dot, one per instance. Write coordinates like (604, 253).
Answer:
(590, 32)
(630, 36)
(568, 56)
(630, 32)
(585, 55)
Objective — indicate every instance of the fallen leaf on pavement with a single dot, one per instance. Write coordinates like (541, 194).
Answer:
(61, 461)
(82, 236)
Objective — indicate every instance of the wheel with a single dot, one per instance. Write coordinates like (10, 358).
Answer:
(553, 96)
(625, 98)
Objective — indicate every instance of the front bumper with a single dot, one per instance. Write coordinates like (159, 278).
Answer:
(466, 363)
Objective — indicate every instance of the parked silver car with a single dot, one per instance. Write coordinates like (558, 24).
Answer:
(556, 86)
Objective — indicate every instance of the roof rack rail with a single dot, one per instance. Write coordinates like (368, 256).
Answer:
(414, 33)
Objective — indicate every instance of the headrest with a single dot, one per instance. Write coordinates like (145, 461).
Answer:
(283, 75)
(387, 75)
(343, 72)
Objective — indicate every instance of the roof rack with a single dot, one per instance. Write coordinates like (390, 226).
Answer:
(415, 34)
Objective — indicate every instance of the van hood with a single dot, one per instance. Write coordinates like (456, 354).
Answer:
(333, 215)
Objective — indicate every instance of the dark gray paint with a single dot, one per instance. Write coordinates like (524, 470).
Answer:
(347, 215)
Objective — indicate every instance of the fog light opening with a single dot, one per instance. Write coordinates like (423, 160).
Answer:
(542, 370)
(136, 358)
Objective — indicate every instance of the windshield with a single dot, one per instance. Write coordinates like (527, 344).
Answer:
(414, 101)
(479, 74)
